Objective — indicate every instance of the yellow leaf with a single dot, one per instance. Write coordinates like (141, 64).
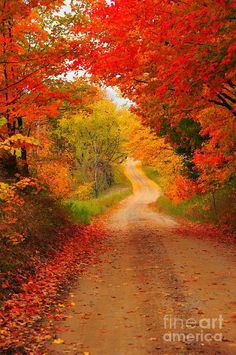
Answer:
(58, 341)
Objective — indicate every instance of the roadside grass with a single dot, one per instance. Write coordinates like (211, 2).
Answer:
(151, 173)
(197, 209)
(84, 211)
(206, 208)
(203, 208)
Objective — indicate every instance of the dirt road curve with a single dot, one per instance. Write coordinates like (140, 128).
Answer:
(151, 282)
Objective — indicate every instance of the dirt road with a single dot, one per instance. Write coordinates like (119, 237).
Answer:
(151, 281)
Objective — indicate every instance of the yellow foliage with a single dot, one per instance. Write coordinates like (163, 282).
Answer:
(26, 182)
(58, 341)
(9, 201)
(6, 191)
(51, 167)
(84, 191)
(17, 141)
(151, 150)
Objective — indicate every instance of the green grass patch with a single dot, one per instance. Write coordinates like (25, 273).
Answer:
(84, 211)
(193, 209)
(151, 173)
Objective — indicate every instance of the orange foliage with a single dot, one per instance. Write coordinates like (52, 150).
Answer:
(52, 167)
(57, 177)
(181, 189)
(11, 200)
(154, 151)
(216, 158)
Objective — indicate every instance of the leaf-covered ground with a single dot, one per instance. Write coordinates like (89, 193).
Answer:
(206, 231)
(25, 317)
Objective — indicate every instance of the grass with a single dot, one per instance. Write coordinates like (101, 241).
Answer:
(193, 209)
(152, 173)
(200, 208)
(84, 211)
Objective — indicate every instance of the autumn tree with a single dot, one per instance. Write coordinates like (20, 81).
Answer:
(144, 145)
(94, 137)
(173, 60)
(34, 44)
(181, 51)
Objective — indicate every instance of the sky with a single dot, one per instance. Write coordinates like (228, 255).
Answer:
(115, 97)
(111, 92)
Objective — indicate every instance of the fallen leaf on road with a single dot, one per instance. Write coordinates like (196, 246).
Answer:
(58, 341)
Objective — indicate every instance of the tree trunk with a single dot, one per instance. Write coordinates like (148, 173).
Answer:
(214, 205)
(24, 163)
(109, 176)
(9, 161)
(96, 190)
(95, 169)
(25, 166)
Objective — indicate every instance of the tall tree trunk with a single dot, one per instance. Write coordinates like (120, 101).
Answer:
(24, 162)
(96, 189)
(95, 169)
(214, 205)
(9, 160)
(109, 175)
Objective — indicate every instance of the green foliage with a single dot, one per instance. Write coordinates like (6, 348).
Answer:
(3, 121)
(185, 137)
